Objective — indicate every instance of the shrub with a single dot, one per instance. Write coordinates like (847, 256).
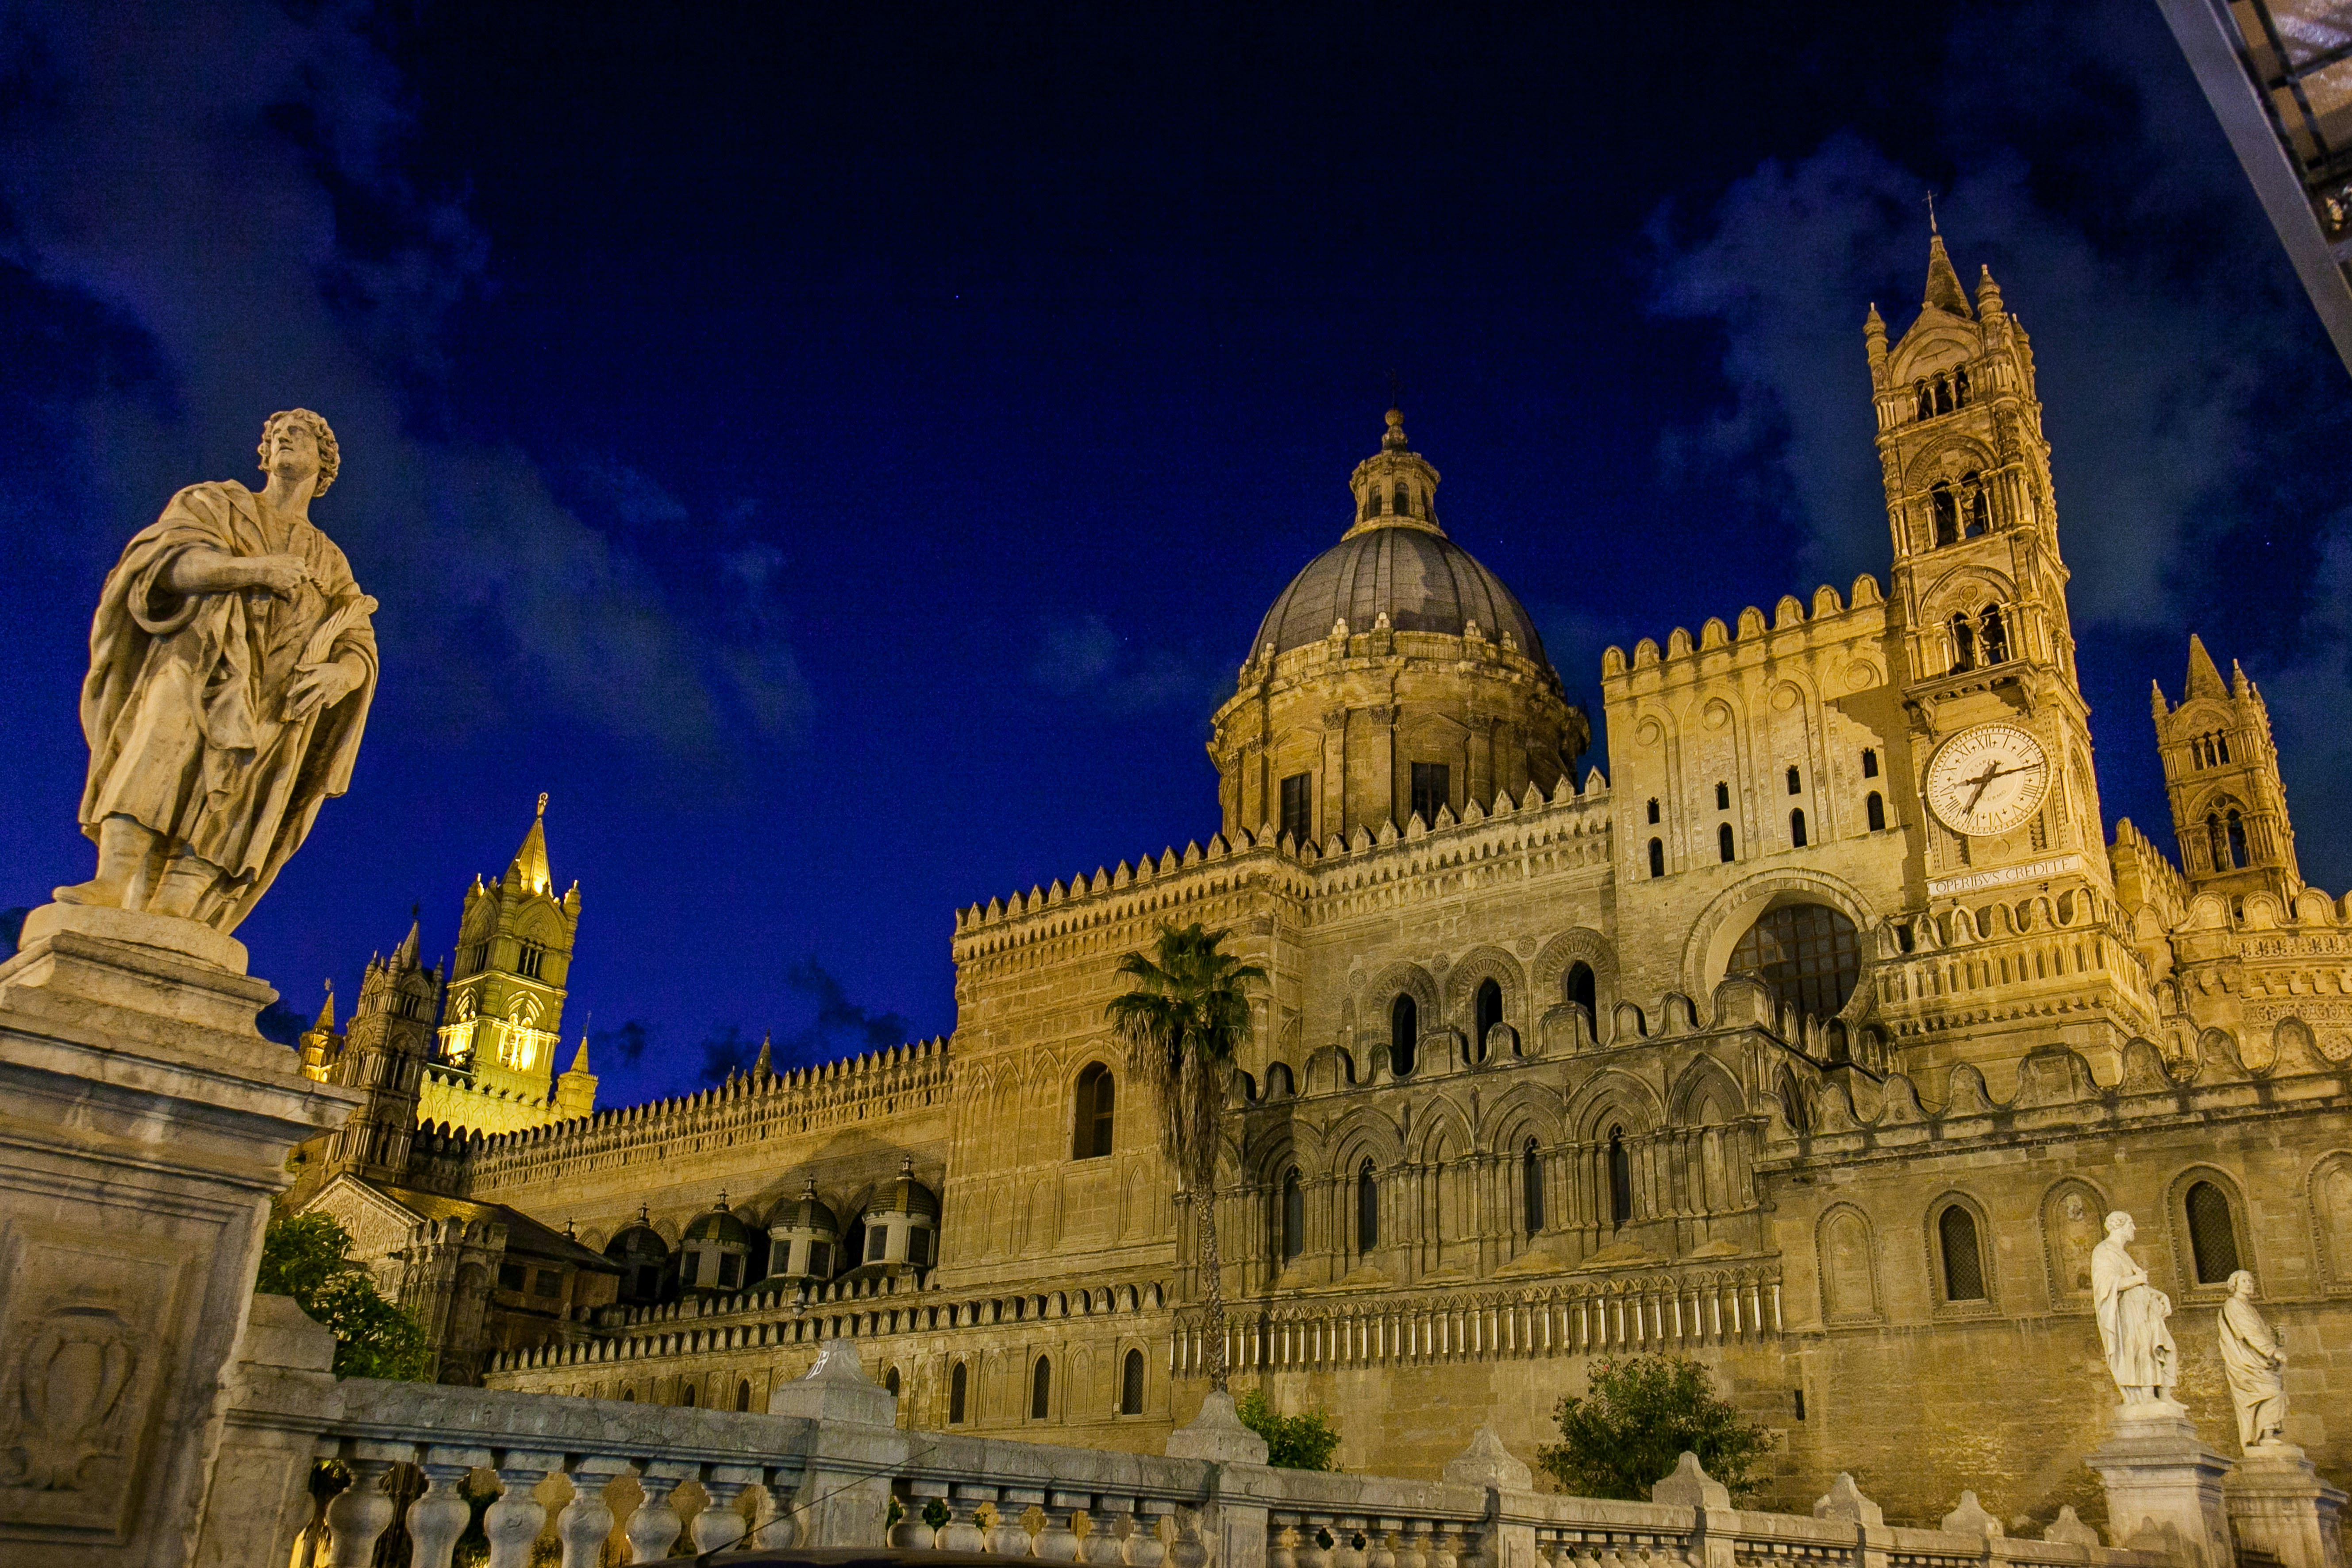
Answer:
(1292, 1442)
(1634, 1422)
(308, 1256)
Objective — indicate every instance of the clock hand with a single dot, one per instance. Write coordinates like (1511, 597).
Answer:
(1995, 771)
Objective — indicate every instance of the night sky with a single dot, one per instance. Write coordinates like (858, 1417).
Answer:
(841, 454)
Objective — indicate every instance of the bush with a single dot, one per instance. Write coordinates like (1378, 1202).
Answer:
(1637, 1418)
(1292, 1442)
(308, 1256)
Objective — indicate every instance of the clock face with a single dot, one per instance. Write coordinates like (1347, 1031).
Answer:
(1988, 780)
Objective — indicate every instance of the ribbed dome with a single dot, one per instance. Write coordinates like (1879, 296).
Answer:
(809, 1213)
(637, 1242)
(1423, 580)
(905, 1196)
(721, 1225)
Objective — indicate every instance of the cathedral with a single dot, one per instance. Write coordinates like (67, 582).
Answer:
(1812, 1035)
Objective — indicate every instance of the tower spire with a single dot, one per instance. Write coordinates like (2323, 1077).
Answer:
(2204, 678)
(530, 863)
(1944, 290)
(325, 1023)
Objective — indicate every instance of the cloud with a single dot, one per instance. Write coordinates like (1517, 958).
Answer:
(1082, 658)
(213, 198)
(836, 1027)
(626, 1045)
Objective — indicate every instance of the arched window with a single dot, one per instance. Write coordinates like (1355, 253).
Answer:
(1657, 856)
(1873, 810)
(1927, 400)
(1943, 394)
(1796, 782)
(890, 1381)
(2217, 840)
(1368, 1208)
(1654, 808)
(1792, 1104)
(1948, 516)
(2220, 748)
(1722, 795)
(955, 1395)
(1130, 1384)
(1582, 990)
(1807, 953)
(1487, 1008)
(1403, 499)
(1955, 1235)
(1869, 762)
(1532, 1195)
(2237, 840)
(1620, 1179)
(1964, 643)
(2213, 1235)
(1980, 507)
(686, 1396)
(1091, 1117)
(1797, 828)
(1995, 635)
(743, 1391)
(1723, 844)
(1279, 1084)
(1041, 1389)
(1960, 387)
(629, 1395)
(1373, 500)
(1294, 1216)
(1404, 1032)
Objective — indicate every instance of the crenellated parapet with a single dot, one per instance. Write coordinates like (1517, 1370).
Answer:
(1793, 631)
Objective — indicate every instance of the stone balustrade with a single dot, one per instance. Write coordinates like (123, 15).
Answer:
(827, 1465)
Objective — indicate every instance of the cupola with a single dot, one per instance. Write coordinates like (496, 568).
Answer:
(715, 1253)
(804, 1239)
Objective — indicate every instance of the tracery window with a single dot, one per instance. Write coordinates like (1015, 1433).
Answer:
(1809, 954)
(1404, 1032)
(1092, 1119)
(1368, 1208)
(2213, 1233)
(1956, 1237)
(1130, 1384)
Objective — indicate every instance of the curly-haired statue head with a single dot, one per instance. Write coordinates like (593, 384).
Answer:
(331, 460)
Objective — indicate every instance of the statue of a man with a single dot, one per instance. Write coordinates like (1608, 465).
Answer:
(2255, 1362)
(231, 667)
(2131, 1311)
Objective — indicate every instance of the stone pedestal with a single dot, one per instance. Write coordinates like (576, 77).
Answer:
(145, 1126)
(2277, 1504)
(2164, 1486)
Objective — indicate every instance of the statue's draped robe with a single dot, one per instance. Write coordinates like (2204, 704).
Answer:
(2132, 1312)
(2250, 1354)
(187, 702)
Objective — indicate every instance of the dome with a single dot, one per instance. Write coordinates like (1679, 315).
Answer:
(721, 1225)
(1420, 579)
(905, 1196)
(637, 1242)
(807, 1212)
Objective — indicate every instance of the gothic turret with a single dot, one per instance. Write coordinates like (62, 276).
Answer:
(2221, 770)
(514, 955)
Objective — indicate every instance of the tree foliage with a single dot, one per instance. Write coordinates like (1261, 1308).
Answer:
(1292, 1442)
(308, 1256)
(1185, 1013)
(1636, 1419)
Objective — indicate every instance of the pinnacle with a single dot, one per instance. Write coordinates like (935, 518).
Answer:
(580, 1061)
(405, 955)
(2204, 680)
(1944, 290)
(530, 863)
(325, 1023)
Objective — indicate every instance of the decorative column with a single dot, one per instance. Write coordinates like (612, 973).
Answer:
(145, 1126)
(1335, 815)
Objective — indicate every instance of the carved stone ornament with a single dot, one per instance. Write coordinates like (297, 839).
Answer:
(65, 1399)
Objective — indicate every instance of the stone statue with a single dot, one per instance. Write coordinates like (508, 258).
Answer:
(2131, 1311)
(2251, 1354)
(232, 663)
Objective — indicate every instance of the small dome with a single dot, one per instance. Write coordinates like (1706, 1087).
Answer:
(1419, 578)
(719, 1224)
(808, 1213)
(637, 1243)
(905, 1196)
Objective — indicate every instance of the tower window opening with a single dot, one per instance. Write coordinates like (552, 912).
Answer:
(1531, 1187)
(1404, 1034)
(1620, 1180)
(1431, 791)
(957, 1383)
(1486, 1010)
(1964, 644)
(1960, 386)
(1980, 505)
(1797, 828)
(1298, 808)
(1654, 808)
(1926, 401)
(1371, 501)
(1955, 1235)
(1943, 394)
(1722, 795)
(890, 1380)
(1368, 1208)
(2213, 1235)
(1947, 514)
(1796, 782)
(1582, 990)
(1723, 847)
(1873, 809)
(1809, 954)
(1041, 1389)
(2237, 831)
(1294, 1216)
(532, 958)
(1130, 1384)
(1869, 762)
(1403, 499)
(1995, 635)
(1657, 858)
(2220, 747)
(1094, 1109)
(743, 1390)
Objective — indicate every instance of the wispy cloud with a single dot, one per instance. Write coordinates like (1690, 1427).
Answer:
(1082, 658)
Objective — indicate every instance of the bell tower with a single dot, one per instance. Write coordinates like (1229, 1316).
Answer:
(2220, 770)
(507, 984)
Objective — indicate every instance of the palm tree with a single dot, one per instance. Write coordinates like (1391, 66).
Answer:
(1182, 1017)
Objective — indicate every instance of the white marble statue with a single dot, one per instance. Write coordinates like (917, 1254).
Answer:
(2132, 1313)
(2255, 1360)
(232, 663)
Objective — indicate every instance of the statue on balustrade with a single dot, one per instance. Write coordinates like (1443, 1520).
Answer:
(2132, 1312)
(232, 663)
(2255, 1362)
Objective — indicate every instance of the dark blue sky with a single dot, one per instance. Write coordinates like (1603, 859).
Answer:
(841, 455)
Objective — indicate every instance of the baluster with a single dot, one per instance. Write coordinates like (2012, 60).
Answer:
(439, 1514)
(1102, 1545)
(963, 1532)
(1056, 1541)
(914, 1533)
(773, 1527)
(1380, 1550)
(586, 1522)
(1145, 1548)
(1187, 1550)
(1011, 1536)
(718, 1526)
(1281, 1540)
(1313, 1531)
(654, 1525)
(1414, 1546)
(361, 1511)
(1441, 1553)
(512, 1522)
(1347, 1544)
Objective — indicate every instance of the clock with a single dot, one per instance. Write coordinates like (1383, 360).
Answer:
(1988, 780)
